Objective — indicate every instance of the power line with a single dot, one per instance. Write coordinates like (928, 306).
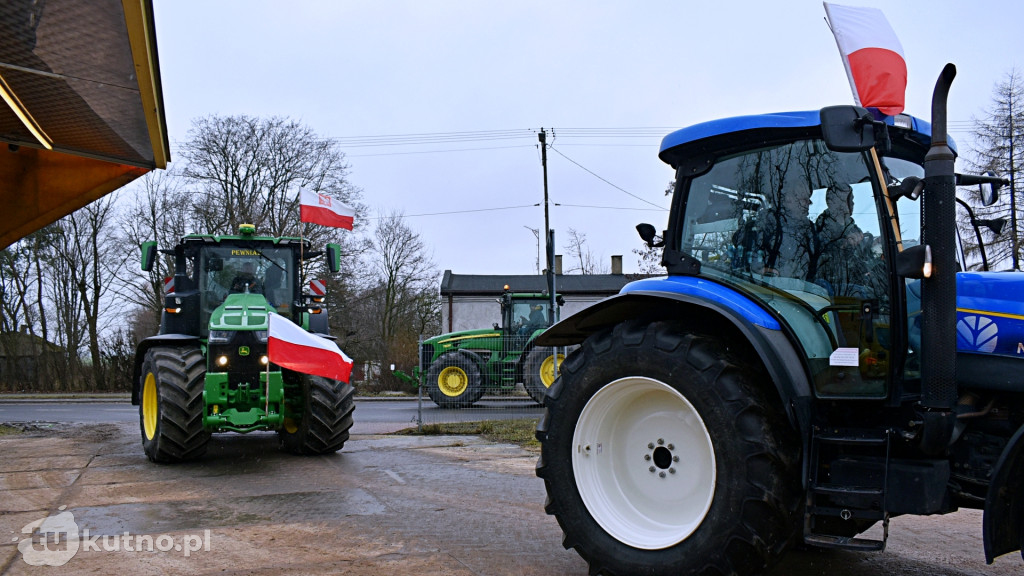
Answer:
(461, 211)
(440, 151)
(609, 207)
(595, 175)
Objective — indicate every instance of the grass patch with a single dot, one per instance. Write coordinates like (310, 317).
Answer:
(519, 432)
(8, 430)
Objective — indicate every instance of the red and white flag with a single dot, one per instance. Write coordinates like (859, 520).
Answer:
(873, 56)
(321, 209)
(291, 347)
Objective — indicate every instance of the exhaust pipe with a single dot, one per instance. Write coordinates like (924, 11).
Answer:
(938, 292)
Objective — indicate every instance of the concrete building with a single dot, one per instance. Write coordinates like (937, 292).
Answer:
(468, 301)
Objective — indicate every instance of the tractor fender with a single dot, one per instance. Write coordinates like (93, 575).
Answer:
(735, 315)
(140, 356)
(1003, 523)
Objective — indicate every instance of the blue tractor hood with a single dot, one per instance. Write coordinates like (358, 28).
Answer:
(990, 313)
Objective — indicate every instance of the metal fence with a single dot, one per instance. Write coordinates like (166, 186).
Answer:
(484, 377)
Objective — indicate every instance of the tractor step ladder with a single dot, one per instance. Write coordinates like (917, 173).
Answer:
(841, 502)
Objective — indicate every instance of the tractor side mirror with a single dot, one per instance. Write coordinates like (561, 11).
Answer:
(990, 190)
(148, 255)
(988, 185)
(847, 128)
(334, 257)
(649, 235)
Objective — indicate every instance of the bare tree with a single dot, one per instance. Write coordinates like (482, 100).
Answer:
(581, 256)
(90, 247)
(401, 295)
(159, 211)
(249, 171)
(999, 146)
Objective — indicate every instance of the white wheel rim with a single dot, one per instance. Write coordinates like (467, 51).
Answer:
(627, 428)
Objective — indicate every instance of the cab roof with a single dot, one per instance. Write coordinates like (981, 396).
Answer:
(809, 120)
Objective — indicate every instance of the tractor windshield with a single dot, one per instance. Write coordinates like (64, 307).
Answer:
(528, 315)
(797, 226)
(230, 269)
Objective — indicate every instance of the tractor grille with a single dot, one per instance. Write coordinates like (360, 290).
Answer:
(243, 355)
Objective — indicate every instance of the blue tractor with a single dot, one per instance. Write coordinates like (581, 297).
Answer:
(812, 365)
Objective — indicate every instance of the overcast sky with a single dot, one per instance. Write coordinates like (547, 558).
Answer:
(481, 78)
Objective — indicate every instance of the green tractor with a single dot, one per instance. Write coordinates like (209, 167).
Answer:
(459, 367)
(207, 370)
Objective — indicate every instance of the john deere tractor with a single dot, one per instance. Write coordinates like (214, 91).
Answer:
(208, 371)
(459, 367)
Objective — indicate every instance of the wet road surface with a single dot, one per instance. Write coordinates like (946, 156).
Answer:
(398, 505)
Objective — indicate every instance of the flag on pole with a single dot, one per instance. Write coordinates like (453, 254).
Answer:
(873, 56)
(291, 347)
(321, 209)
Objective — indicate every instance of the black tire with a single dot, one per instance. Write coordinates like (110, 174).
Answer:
(538, 371)
(172, 401)
(454, 380)
(752, 500)
(327, 407)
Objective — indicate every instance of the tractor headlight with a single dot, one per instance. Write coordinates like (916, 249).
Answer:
(220, 336)
(222, 361)
(261, 335)
(264, 360)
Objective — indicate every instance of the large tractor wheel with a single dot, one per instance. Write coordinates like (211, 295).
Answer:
(327, 407)
(454, 381)
(171, 410)
(540, 370)
(662, 454)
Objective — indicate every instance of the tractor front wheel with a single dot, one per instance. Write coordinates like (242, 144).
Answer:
(454, 381)
(171, 410)
(540, 368)
(663, 454)
(323, 428)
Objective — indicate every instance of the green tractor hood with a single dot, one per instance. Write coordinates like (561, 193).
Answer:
(242, 312)
(484, 338)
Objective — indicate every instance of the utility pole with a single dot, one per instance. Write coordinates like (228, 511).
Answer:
(548, 237)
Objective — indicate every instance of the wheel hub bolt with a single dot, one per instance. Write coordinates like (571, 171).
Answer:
(671, 446)
(671, 470)
(650, 445)
(661, 474)
(660, 441)
(652, 469)
(675, 458)
(647, 456)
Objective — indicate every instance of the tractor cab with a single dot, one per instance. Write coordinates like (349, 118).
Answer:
(524, 314)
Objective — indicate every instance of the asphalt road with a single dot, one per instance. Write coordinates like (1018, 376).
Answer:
(425, 505)
(372, 416)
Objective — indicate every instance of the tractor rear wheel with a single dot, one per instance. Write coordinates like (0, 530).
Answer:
(454, 381)
(171, 410)
(663, 454)
(540, 370)
(323, 428)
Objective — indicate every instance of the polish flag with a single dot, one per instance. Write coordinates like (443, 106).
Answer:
(321, 209)
(291, 347)
(872, 55)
